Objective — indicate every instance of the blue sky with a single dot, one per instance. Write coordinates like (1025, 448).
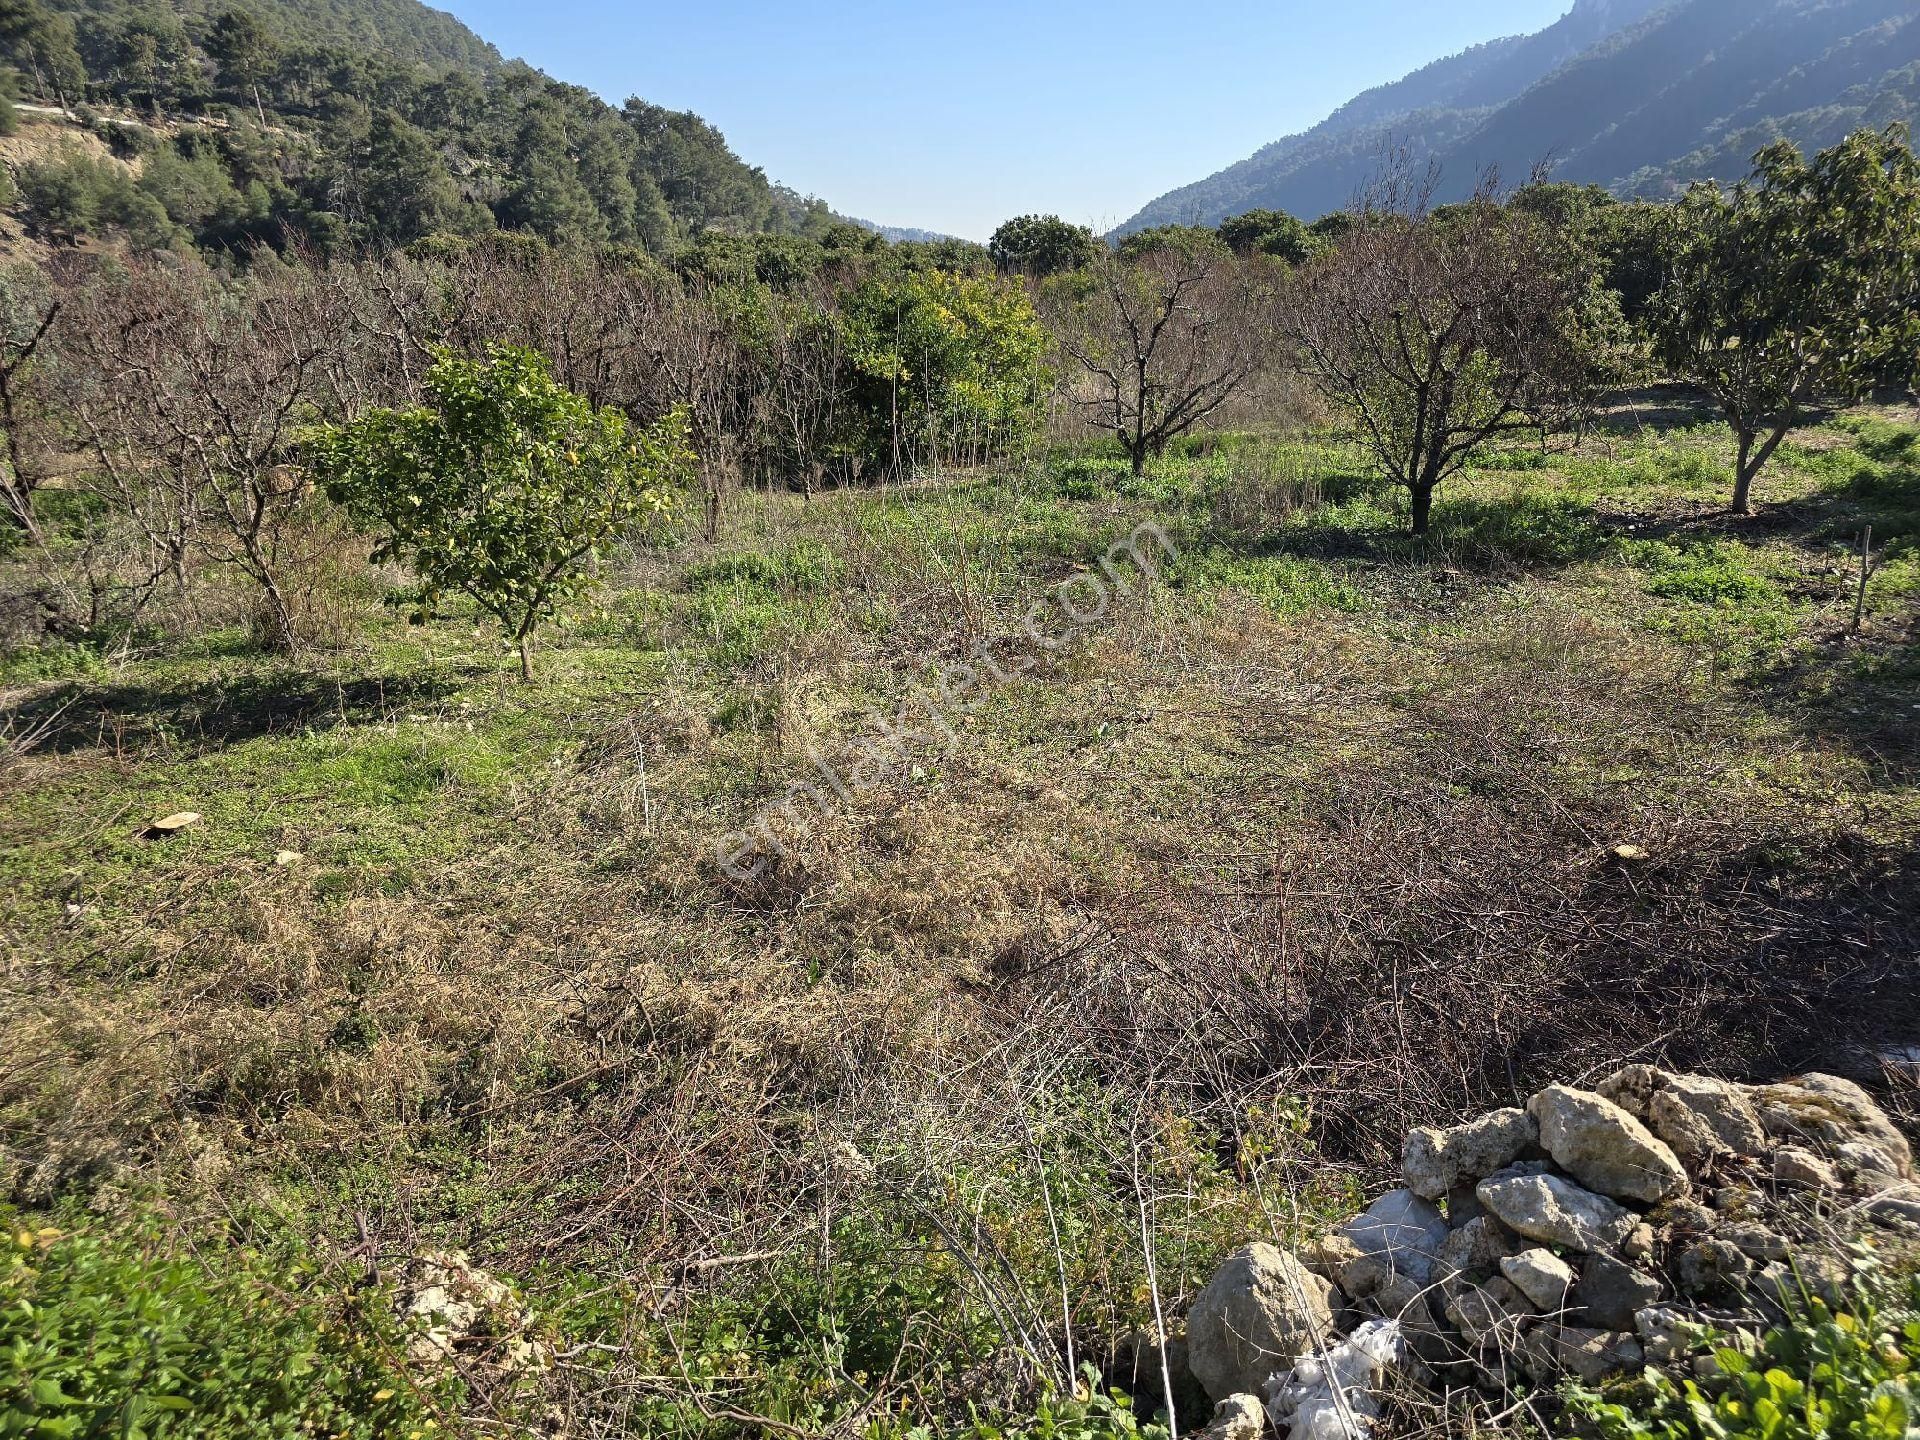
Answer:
(953, 116)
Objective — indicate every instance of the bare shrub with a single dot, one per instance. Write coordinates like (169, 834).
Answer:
(1158, 341)
(188, 394)
(1450, 926)
(1433, 334)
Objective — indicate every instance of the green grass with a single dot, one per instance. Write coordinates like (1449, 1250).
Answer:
(506, 967)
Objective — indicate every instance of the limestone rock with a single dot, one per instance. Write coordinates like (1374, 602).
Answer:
(1436, 1161)
(1611, 1293)
(1801, 1169)
(1828, 1111)
(1711, 1269)
(1238, 1417)
(1402, 1229)
(1549, 1351)
(1604, 1147)
(1553, 1211)
(1698, 1117)
(1261, 1308)
(1490, 1314)
(1542, 1276)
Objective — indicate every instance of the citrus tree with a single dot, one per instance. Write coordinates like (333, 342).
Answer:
(1802, 284)
(505, 486)
(945, 368)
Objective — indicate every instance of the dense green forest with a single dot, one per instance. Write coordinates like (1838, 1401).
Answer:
(351, 124)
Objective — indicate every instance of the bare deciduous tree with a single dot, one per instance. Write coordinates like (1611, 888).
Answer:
(188, 392)
(28, 308)
(1161, 339)
(1434, 334)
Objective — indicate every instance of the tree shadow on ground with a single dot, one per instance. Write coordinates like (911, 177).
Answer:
(1656, 407)
(1526, 530)
(210, 714)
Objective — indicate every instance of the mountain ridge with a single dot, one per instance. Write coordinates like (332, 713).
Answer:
(1641, 96)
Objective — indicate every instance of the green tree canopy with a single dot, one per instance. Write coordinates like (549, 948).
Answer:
(1801, 284)
(506, 486)
(1041, 245)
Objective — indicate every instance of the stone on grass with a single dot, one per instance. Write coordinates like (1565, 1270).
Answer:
(1402, 1229)
(1604, 1147)
(1540, 1275)
(1553, 1211)
(1435, 1161)
(1262, 1308)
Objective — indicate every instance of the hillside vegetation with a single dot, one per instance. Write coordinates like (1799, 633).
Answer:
(328, 126)
(1641, 97)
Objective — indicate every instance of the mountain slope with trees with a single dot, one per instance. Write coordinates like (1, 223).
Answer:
(339, 123)
(1631, 94)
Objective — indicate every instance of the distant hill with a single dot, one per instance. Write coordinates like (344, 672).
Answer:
(899, 234)
(1642, 96)
(399, 29)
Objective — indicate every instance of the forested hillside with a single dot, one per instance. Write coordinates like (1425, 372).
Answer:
(1636, 95)
(350, 122)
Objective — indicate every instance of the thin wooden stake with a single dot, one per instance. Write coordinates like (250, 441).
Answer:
(1866, 567)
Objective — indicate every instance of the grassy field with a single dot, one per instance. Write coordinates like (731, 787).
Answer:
(1164, 945)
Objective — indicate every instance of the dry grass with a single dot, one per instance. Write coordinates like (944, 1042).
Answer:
(1205, 912)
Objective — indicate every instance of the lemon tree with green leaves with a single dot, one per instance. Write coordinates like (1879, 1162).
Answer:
(506, 486)
(1801, 285)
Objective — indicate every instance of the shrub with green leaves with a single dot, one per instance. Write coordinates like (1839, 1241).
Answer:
(506, 486)
(105, 1334)
(1847, 1372)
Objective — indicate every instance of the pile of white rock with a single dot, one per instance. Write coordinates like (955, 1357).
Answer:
(1592, 1233)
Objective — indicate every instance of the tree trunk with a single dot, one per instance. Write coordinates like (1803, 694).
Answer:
(1743, 472)
(525, 640)
(1422, 508)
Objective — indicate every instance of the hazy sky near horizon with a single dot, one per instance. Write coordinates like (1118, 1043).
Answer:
(952, 117)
